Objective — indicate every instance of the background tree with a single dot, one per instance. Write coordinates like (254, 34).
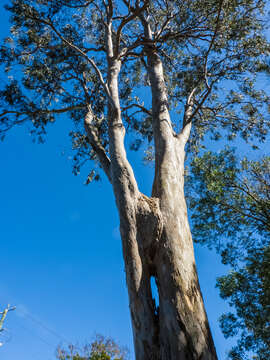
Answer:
(100, 349)
(233, 201)
(93, 61)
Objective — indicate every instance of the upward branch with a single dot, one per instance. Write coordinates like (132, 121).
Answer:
(162, 127)
(212, 44)
(189, 113)
(185, 132)
(135, 13)
(96, 144)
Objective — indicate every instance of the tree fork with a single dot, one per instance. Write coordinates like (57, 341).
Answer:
(157, 240)
(180, 319)
(178, 327)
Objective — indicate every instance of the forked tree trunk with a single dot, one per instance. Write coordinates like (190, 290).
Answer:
(155, 231)
(157, 243)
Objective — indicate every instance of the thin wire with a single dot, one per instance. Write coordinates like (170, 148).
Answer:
(36, 356)
(38, 322)
(35, 334)
(45, 327)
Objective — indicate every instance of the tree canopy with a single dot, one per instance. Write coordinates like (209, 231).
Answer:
(212, 52)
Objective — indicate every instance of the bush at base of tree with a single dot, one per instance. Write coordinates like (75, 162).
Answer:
(101, 348)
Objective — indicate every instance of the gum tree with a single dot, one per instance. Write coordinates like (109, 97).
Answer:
(99, 62)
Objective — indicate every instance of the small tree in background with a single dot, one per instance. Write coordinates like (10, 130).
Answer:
(100, 349)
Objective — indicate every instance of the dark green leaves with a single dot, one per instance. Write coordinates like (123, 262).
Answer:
(248, 290)
(228, 199)
(230, 202)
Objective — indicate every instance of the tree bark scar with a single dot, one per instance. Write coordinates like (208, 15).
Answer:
(149, 225)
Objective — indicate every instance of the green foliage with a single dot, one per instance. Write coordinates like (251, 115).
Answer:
(100, 349)
(248, 290)
(230, 204)
(230, 200)
(215, 50)
(215, 47)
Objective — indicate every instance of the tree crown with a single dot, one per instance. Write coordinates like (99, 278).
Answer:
(212, 52)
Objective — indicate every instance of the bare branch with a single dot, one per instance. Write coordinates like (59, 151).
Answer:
(211, 44)
(186, 128)
(101, 48)
(203, 35)
(135, 13)
(245, 213)
(165, 24)
(200, 104)
(127, 3)
(95, 143)
(110, 10)
(138, 106)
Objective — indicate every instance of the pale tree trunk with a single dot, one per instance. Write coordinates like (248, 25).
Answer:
(157, 242)
(155, 231)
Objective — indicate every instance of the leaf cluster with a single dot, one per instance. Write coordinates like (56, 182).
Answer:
(100, 349)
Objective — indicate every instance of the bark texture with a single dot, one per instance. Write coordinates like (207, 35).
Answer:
(157, 242)
(155, 232)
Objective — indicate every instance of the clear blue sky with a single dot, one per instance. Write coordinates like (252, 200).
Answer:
(61, 261)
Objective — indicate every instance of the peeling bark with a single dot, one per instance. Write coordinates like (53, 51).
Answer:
(184, 329)
(155, 232)
(157, 243)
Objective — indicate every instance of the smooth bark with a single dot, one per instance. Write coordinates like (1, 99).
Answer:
(155, 232)
(156, 239)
